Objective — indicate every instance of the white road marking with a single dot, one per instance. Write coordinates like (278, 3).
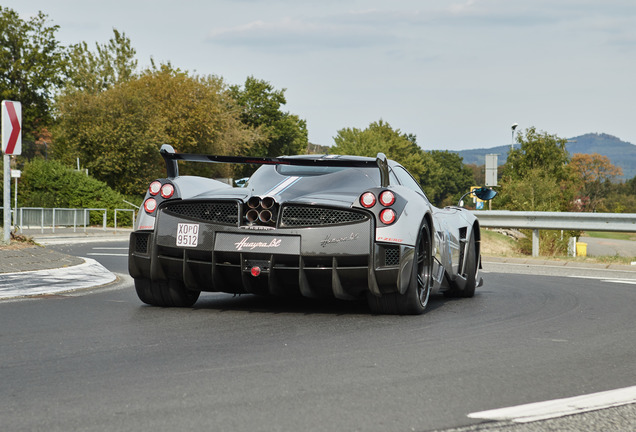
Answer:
(560, 407)
(612, 280)
(97, 253)
(110, 248)
(556, 267)
(623, 281)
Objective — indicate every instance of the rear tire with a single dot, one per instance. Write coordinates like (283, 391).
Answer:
(415, 299)
(170, 293)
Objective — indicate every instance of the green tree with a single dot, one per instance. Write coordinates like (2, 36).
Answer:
(31, 65)
(538, 150)
(454, 178)
(536, 176)
(117, 133)
(380, 137)
(99, 70)
(261, 108)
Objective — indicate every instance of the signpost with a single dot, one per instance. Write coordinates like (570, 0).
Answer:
(11, 145)
(491, 173)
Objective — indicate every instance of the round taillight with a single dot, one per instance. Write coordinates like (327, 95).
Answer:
(154, 187)
(387, 216)
(150, 205)
(167, 190)
(387, 198)
(367, 200)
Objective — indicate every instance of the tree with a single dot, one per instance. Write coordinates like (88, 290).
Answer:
(380, 137)
(117, 133)
(595, 173)
(454, 178)
(260, 103)
(538, 150)
(31, 65)
(110, 64)
(536, 176)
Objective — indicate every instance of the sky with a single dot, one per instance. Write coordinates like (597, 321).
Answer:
(455, 73)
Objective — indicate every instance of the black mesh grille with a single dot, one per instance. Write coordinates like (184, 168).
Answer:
(141, 243)
(392, 256)
(299, 216)
(225, 213)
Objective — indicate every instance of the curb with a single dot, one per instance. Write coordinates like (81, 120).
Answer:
(556, 263)
(89, 274)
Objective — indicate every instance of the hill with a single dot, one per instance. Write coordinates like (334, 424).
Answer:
(620, 153)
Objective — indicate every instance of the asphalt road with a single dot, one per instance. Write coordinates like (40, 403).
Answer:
(102, 361)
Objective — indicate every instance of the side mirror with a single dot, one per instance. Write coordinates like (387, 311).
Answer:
(483, 193)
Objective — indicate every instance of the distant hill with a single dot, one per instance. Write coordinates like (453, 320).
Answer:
(620, 153)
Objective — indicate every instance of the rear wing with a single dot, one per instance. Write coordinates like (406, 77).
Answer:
(172, 169)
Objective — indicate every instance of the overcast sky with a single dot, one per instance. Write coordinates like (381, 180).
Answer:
(456, 73)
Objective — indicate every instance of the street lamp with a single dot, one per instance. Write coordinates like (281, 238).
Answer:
(512, 142)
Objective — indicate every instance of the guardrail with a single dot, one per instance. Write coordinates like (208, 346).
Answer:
(615, 222)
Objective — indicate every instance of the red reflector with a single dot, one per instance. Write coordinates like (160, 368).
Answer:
(367, 200)
(154, 187)
(150, 205)
(387, 216)
(387, 198)
(167, 190)
(256, 271)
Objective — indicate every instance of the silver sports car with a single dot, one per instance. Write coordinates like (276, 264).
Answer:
(339, 226)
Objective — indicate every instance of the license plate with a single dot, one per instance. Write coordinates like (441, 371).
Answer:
(187, 235)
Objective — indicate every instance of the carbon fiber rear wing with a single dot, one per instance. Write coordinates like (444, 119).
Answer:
(172, 168)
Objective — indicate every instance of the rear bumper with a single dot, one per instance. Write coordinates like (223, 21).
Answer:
(341, 262)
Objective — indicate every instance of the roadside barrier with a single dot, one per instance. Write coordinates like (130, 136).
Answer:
(615, 222)
(50, 218)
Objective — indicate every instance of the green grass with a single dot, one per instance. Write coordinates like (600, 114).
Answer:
(611, 235)
(501, 245)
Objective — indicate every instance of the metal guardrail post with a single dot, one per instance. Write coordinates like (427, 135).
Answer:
(535, 243)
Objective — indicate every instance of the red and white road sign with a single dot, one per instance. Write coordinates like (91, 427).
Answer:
(11, 128)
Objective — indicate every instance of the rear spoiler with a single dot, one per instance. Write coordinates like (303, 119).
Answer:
(172, 169)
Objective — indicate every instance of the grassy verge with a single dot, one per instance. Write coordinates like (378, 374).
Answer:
(497, 244)
(611, 235)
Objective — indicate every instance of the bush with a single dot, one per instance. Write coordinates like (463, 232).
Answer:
(551, 242)
(50, 184)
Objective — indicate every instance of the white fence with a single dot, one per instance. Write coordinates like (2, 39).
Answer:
(50, 218)
(616, 222)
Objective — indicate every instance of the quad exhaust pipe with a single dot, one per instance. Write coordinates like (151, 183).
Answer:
(260, 210)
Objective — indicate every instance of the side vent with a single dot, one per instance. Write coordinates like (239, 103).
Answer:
(462, 249)
(392, 256)
(141, 242)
